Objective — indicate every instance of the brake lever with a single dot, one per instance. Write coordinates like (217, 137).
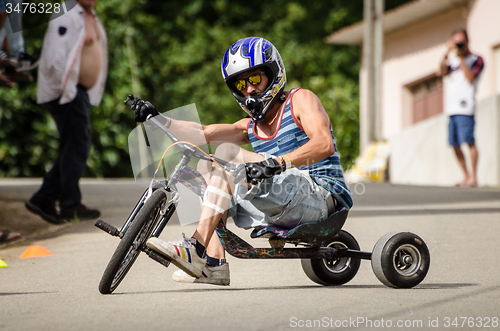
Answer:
(254, 181)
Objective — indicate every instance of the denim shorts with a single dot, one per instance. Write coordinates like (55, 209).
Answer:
(286, 200)
(461, 130)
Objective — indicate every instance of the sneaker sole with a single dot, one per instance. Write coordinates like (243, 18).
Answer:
(27, 68)
(34, 209)
(204, 280)
(174, 258)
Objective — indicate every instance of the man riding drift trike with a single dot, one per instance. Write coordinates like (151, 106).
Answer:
(296, 156)
(291, 190)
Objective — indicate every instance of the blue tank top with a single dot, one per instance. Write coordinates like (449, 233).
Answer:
(288, 137)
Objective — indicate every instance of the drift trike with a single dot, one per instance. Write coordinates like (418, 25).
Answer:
(329, 255)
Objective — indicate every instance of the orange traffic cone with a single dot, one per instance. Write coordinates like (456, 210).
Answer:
(35, 251)
(3, 264)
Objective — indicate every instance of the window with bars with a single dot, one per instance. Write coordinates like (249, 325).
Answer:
(427, 98)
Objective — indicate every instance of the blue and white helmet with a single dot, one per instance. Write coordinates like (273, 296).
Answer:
(247, 54)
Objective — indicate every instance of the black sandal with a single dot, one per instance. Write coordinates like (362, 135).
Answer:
(4, 82)
(5, 235)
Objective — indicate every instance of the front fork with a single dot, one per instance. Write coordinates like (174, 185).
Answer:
(166, 213)
(106, 227)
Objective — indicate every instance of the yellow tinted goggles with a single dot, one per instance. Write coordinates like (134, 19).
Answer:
(254, 79)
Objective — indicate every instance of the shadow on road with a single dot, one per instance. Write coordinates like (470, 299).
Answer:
(437, 286)
(23, 293)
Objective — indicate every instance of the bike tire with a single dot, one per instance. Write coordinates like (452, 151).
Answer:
(133, 242)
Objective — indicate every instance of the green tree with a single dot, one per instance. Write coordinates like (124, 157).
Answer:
(169, 52)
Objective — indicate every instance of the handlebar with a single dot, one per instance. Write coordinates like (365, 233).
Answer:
(186, 148)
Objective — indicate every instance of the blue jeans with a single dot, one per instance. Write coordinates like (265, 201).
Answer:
(285, 200)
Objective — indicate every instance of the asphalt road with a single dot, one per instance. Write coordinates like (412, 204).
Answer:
(461, 291)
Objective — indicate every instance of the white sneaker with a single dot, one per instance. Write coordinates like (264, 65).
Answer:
(218, 275)
(182, 254)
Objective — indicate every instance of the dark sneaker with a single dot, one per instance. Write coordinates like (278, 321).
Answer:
(27, 62)
(4, 82)
(48, 213)
(15, 76)
(79, 211)
(6, 60)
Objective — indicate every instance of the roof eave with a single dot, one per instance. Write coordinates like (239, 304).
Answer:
(395, 19)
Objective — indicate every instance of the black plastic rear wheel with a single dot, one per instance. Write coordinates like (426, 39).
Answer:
(334, 271)
(133, 242)
(401, 259)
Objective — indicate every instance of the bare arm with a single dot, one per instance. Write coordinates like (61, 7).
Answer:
(236, 133)
(3, 17)
(443, 67)
(213, 134)
(467, 71)
(313, 118)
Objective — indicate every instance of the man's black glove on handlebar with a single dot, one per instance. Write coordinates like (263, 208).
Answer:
(142, 109)
(256, 171)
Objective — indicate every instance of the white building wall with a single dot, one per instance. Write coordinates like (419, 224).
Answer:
(483, 27)
(420, 155)
(409, 55)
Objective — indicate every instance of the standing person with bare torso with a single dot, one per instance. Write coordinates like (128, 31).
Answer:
(72, 75)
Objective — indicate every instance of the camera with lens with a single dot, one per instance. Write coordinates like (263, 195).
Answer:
(460, 45)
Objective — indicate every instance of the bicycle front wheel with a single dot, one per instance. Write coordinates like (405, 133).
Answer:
(133, 242)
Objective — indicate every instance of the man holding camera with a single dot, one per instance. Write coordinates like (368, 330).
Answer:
(463, 69)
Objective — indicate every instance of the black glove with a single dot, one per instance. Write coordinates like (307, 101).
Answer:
(142, 109)
(256, 171)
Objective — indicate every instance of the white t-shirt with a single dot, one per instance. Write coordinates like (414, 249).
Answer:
(460, 95)
(59, 67)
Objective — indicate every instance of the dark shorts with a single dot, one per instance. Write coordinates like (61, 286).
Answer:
(461, 130)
